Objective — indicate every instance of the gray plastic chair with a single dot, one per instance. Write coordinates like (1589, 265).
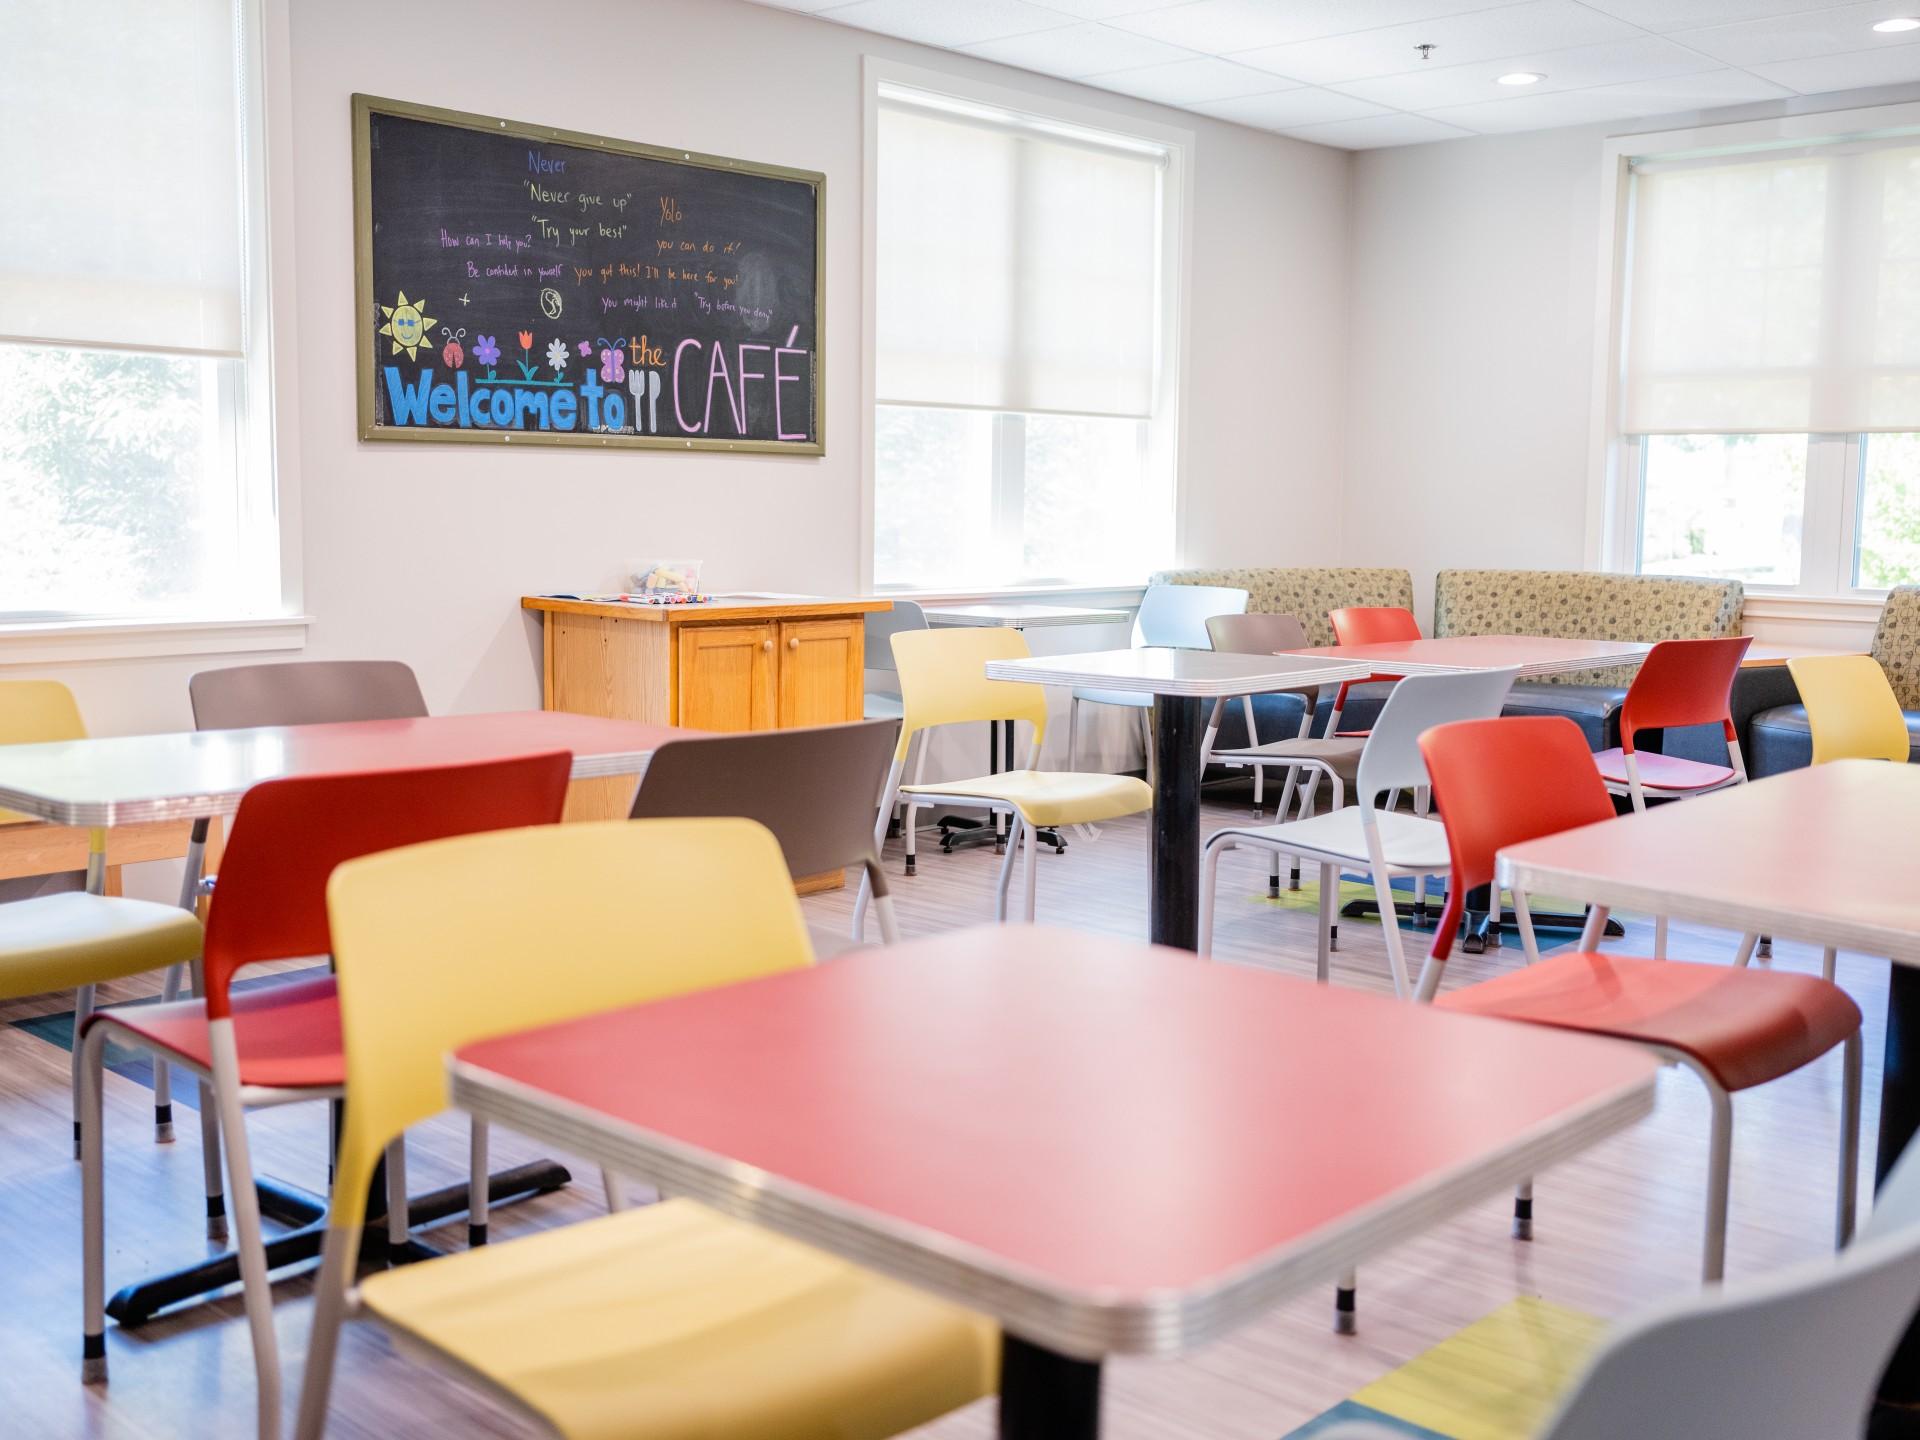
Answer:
(817, 789)
(1269, 635)
(1794, 1357)
(1174, 616)
(1386, 842)
(304, 692)
(881, 627)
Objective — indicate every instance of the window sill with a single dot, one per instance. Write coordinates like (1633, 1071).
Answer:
(57, 642)
(1126, 594)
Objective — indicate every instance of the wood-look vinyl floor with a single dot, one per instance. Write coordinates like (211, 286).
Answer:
(1617, 1228)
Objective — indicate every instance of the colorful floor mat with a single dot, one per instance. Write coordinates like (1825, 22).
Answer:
(1498, 1379)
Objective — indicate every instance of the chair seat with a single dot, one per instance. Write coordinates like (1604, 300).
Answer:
(1661, 772)
(1051, 797)
(1339, 755)
(670, 1322)
(1135, 698)
(288, 1035)
(1409, 842)
(1744, 1027)
(57, 942)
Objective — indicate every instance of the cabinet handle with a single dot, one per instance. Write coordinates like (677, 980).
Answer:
(766, 645)
(793, 642)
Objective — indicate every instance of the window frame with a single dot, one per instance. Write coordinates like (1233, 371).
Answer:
(1165, 431)
(1617, 466)
(258, 413)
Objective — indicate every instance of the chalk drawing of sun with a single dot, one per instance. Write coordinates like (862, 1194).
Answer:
(408, 324)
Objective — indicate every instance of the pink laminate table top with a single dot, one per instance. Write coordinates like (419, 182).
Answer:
(126, 779)
(1828, 855)
(1106, 1146)
(1534, 654)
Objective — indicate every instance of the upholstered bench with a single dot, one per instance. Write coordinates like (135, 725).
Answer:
(1778, 738)
(1586, 605)
(1308, 592)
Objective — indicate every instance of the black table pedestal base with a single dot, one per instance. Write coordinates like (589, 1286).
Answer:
(1047, 1396)
(290, 1205)
(1896, 1410)
(1177, 734)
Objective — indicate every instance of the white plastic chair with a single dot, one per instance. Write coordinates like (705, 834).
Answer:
(1388, 843)
(1794, 1357)
(1171, 616)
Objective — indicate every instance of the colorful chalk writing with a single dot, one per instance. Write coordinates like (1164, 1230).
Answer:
(609, 291)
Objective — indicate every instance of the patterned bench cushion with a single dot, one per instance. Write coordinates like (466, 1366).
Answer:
(1896, 644)
(1584, 605)
(1308, 592)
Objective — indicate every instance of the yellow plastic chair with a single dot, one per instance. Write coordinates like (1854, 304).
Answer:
(943, 681)
(667, 1322)
(75, 941)
(1853, 714)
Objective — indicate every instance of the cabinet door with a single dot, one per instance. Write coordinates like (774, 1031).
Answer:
(822, 681)
(726, 677)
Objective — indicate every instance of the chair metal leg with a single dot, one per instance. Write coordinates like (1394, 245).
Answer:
(1713, 1263)
(337, 1262)
(397, 1200)
(616, 1193)
(93, 1341)
(1523, 1210)
(1073, 734)
(1849, 1192)
(478, 1181)
(1006, 870)
(1390, 932)
(82, 1008)
(1030, 876)
(1146, 737)
(1329, 886)
(1209, 878)
(250, 1242)
(1745, 953)
(1829, 960)
(1346, 1304)
(1659, 937)
(162, 1072)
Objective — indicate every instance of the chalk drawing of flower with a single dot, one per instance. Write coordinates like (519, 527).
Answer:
(557, 356)
(586, 349)
(485, 351)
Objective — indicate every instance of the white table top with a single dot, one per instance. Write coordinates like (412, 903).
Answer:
(1825, 855)
(1018, 615)
(1533, 655)
(127, 779)
(1192, 673)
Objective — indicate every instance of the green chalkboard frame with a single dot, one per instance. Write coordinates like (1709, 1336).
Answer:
(365, 107)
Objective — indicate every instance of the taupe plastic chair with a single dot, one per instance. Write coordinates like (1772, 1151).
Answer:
(817, 789)
(304, 692)
(297, 692)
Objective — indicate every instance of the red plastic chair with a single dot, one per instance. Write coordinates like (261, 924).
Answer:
(1681, 682)
(280, 1044)
(1501, 782)
(1367, 625)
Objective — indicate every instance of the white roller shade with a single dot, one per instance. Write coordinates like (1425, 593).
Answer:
(1776, 292)
(121, 224)
(1018, 268)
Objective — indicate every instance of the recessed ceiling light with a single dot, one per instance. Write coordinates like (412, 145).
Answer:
(1898, 25)
(1521, 77)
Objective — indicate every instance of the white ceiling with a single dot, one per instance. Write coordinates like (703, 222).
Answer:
(1346, 72)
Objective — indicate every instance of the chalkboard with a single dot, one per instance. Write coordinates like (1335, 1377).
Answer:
(525, 285)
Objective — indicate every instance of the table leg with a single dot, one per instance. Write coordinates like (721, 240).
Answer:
(1896, 1410)
(1177, 727)
(1047, 1396)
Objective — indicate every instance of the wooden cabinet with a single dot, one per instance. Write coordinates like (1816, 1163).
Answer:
(734, 664)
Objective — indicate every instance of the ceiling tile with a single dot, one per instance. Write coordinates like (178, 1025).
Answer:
(806, 7)
(1683, 14)
(1585, 65)
(944, 22)
(1675, 95)
(1077, 50)
(1107, 9)
(1185, 81)
(1459, 40)
(1371, 132)
(1846, 72)
(1218, 27)
(1801, 37)
(1289, 108)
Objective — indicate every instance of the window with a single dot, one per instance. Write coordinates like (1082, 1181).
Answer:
(1023, 425)
(1770, 365)
(128, 483)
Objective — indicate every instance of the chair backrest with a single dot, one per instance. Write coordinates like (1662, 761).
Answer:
(1392, 758)
(304, 692)
(1256, 634)
(883, 625)
(33, 712)
(1502, 781)
(290, 834)
(1372, 624)
(1176, 615)
(1851, 708)
(440, 945)
(943, 681)
(1684, 682)
(1796, 1356)
(816, 789)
